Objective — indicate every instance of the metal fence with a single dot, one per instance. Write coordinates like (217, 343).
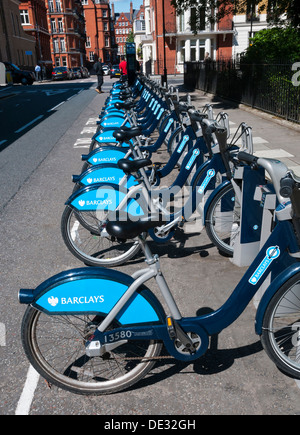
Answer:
(268, 87)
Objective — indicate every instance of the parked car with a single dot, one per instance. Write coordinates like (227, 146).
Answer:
(62, 73)
(106, 69)
(77, 71)
(18, 75)
(85, 72)
(115, 71)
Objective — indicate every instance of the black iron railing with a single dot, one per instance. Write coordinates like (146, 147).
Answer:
(268, 87)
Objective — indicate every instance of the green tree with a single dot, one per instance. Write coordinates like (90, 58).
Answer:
(130, 37)
(217, 9)
(272, 45)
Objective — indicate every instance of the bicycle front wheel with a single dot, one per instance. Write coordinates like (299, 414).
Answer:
(83, 234)
(222, 221)
(55, 346)
(281, 327)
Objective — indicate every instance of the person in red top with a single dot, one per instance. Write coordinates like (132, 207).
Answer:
(123, 66)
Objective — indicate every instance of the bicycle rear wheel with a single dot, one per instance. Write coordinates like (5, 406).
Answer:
(281, 327)
(83, 232)
(55, 346)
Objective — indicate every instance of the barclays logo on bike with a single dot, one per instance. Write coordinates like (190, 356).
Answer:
(192, 159)
(210, 174)
(81, 300)
(271, 254)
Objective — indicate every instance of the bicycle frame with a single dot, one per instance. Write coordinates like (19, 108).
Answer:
(275, 250)
(74, 292)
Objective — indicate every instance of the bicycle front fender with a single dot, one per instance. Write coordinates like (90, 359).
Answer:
(92, 291)
(211, 197)
(106, 154)
(270, 292)
(107, 197)
(104, 173)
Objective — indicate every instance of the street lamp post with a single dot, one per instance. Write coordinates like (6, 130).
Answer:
(165, 74)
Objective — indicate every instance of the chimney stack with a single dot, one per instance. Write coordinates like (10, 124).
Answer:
(131, 12)
(113, 12)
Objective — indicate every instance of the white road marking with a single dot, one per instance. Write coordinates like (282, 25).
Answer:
(25, 401)
(29, 124)
(2, 335)
(55, 107)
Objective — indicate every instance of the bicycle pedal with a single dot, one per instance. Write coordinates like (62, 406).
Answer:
(181, 224)
(171, 328)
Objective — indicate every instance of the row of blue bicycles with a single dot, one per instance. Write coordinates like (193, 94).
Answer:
(95, 330)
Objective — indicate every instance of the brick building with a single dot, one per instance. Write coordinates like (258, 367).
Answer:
(33, 15)
(99, 30)
(67, 32)
(123, 27)
(181, 42)
(15, 45)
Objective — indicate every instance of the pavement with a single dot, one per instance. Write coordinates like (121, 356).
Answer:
(235, 376)
(273, 137)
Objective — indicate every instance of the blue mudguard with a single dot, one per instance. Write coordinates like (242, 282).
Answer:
(113, 122)
(107, 197)
(105, 173)
(105, 137)
(106, 154)
(94, 291)
(270, 292)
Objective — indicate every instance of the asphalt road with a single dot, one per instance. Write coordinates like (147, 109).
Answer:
(234, 377)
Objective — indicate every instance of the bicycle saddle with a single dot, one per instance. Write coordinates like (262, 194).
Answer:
(123, 134)
(124, 228)
(127, 105)
(129, 166)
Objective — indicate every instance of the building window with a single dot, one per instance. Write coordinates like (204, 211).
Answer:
(106, 41)
(60, 25)
(84, 2)
(63, 45)
(57, 61)
(24, 17)
(88, 42)
(201, 49)
(53, 25)
(51, 6)
(105, 27)
(104, 13)
(92, 56)
(55, 45)
(182, 52)
(58, 5)
(193, 50)
(64, 61)
(197, 18)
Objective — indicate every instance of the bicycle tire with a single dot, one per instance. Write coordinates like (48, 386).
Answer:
(68, 367)
(81, 232)
(223, 227)
(174, 140)
(280, 334)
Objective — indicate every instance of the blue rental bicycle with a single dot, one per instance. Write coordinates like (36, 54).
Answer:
(99, 331)
(83, 223)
